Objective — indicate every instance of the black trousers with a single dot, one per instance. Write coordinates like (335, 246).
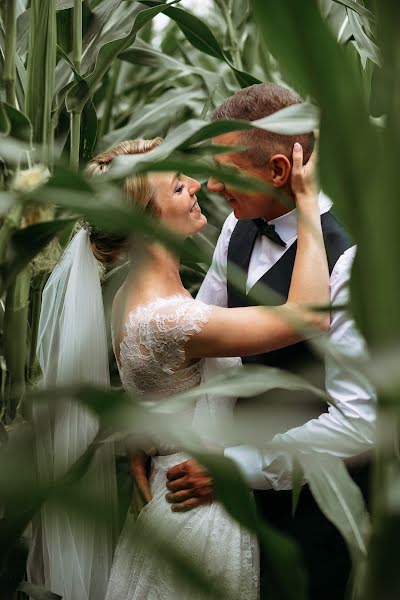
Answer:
(324, 552)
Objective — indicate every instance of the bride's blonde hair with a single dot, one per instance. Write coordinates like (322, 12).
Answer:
(107, 247)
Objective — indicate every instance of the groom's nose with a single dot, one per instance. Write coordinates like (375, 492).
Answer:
(214, 185)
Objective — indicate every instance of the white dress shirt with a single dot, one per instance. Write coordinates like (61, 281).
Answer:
(343, 435)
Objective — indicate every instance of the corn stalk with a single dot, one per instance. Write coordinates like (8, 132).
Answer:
(109, 99)
(10, 49)
(225, 9)
(15, 336)
(76, 114)
(37, 288)
(41, 70)
(10, 224)
(16, 315)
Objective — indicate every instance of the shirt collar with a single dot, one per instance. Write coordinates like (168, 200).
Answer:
(286, 225)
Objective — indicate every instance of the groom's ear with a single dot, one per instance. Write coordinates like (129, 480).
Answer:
(279, 169)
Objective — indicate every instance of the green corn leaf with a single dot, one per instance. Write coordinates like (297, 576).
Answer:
(20, 126)
(89, 125)
(180, 163)
(295, 119)
(365, 44)
(195, 30)
(358, 8)
(61, 52)
(26, 243)
(15, 151)
(202, 38)
(339, 498)
(83, 91)
(106, 210)
(23, 25)
(243, 382)
(5, 124)
(189, 133)
(154, 117)
(281, 554)
(297, 483)
(144, 54)
(340, 98)
(92, 41)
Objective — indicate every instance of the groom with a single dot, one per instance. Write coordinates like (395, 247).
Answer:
(267, 255)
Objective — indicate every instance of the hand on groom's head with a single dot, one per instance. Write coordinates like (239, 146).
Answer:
(190, 486)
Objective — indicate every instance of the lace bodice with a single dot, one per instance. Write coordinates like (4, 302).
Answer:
(152, 355)
(152, 350)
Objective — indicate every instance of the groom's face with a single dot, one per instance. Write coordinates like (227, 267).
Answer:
(246, 205)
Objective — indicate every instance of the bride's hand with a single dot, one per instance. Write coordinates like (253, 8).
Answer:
(303, 179)
(137, 465)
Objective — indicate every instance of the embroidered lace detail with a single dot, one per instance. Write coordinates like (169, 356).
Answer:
(152, 351)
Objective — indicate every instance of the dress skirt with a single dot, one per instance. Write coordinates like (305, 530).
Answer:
(206, 536)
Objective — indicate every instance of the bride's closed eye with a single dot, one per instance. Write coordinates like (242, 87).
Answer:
(179, 188)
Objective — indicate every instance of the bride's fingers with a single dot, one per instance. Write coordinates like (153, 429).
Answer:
(145, 489)
(297, 157)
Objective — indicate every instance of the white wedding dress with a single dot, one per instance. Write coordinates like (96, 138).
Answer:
(151, 358)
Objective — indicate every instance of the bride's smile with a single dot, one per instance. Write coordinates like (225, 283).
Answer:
(176, 202)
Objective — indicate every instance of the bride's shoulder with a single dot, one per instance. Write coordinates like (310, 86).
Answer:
(172, 307)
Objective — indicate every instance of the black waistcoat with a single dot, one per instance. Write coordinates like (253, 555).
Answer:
(298, 358)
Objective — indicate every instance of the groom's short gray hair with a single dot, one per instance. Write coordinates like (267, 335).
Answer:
(256, 102)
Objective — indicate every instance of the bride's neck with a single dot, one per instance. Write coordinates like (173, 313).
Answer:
(159, 272)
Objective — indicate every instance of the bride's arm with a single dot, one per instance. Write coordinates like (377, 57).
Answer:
(137, 468)
(255, 330)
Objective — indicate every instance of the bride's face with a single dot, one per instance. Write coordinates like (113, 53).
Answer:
(177, 203)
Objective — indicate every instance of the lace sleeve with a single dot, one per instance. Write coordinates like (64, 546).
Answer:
(153, 349)
(171, 326)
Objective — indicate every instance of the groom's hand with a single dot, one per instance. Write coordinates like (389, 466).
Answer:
(190, 486)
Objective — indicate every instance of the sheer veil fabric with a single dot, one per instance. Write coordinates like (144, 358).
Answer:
(75, 551)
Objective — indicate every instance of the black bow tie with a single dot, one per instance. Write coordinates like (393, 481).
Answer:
(269, 230)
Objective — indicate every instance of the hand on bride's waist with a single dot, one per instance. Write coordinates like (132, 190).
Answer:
(189, 485)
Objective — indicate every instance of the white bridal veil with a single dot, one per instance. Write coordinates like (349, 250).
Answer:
(72, 349)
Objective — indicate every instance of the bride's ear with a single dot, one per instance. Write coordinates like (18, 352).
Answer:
(279, 168)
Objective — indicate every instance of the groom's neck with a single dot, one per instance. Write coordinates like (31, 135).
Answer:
(278, 208)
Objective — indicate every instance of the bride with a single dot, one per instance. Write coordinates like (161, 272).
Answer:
(167, 342)
(164, 342)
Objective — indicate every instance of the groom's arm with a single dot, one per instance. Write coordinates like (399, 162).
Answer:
(343, 434)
